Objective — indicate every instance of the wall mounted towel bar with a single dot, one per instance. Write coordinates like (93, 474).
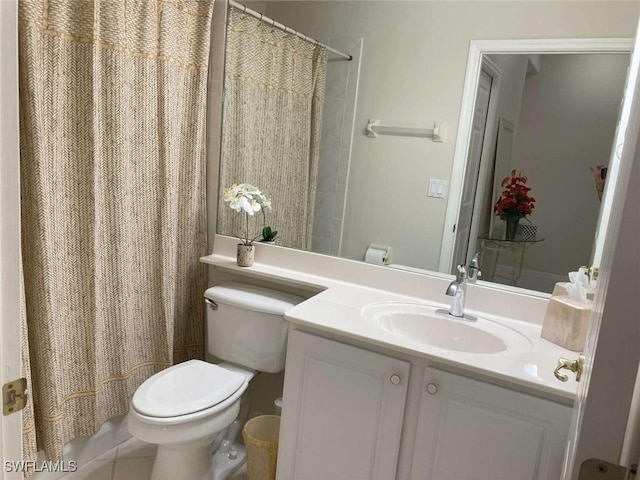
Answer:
(437, 133)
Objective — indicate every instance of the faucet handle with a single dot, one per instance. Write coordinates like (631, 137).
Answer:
(474, 268)
(461, 274)
(475, 261)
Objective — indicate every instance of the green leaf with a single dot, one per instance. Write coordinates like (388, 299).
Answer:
(268, 235)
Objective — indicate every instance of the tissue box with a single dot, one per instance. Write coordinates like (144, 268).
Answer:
(566, 322)
(561, 289)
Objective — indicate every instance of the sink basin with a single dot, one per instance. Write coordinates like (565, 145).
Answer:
(421, 324)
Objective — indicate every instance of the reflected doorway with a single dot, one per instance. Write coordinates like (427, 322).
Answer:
(556, 118)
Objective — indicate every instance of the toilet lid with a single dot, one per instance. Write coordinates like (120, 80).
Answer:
(186, 388)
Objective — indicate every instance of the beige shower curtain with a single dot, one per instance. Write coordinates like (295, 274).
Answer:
(273, 99)
(112, 113)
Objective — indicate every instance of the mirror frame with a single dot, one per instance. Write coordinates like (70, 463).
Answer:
(477, 49)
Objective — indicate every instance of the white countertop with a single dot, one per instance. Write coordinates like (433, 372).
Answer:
(337, 309)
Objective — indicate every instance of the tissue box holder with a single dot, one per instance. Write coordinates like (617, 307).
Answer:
(566, 322)
(560, 289)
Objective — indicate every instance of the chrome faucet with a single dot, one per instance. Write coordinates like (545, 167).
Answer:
(457, 290)
(474, 269)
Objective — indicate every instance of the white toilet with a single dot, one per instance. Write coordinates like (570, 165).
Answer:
(190, 410)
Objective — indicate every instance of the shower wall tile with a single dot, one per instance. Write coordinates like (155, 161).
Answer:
(352, 82)
(345, 156)
(322, 219)
(338, 210)
(328, 168)
(332, 121)
(321, 245)
(335, 239)
(337, 79)
(347, 129)
(352, 88)
(335, 146)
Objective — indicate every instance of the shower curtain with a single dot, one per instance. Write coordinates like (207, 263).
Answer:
(273, 99)
(112, 117)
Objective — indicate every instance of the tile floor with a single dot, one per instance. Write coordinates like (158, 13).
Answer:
(131, 460)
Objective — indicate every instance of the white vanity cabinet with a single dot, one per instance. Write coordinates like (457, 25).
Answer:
(473, 430)
(343, 411)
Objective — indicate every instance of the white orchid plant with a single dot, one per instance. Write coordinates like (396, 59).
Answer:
(248, 198)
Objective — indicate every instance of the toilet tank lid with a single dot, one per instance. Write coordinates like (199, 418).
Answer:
(251, 297)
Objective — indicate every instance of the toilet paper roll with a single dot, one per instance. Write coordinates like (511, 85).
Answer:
(376, 255)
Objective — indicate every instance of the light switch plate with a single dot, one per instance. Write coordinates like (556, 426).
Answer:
(437, 188)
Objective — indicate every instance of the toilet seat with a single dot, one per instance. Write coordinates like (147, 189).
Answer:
(186, 388)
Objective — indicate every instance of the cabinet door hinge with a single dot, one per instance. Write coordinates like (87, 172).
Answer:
(14, 396)
(596, 469)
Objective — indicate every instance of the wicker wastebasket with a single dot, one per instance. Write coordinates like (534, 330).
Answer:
(260, 436)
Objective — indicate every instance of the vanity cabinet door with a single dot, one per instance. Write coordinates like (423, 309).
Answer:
(343, 411)
(469, 430)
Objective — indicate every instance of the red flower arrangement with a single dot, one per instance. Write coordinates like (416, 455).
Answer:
(515, 201)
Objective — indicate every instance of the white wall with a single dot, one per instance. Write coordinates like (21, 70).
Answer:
(568, 119)
(513, 70)
(413, 66)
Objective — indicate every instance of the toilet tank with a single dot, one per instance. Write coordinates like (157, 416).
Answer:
(245, 325)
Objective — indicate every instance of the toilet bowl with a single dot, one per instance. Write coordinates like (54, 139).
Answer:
(190, 410)
(182, 409)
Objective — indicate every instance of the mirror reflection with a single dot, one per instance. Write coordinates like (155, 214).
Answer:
(295, 119)
(547, 142)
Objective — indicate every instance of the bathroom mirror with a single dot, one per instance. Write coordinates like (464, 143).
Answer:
(405, 192)
(542, 124)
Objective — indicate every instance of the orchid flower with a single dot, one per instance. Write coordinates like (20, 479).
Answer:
(248, 198)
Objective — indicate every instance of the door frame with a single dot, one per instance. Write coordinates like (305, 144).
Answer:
(604, 424)
(486, 154)
(488, 151)
(478, 48)
(10, 265)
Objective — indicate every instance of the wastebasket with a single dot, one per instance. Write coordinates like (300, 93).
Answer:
(260, 436)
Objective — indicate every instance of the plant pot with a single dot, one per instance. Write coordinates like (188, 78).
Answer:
(512, 227)
(246, 255)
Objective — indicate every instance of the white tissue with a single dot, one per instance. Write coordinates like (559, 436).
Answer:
(376, 255)
(577, 289)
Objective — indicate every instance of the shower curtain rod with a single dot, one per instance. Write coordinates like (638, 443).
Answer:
(279, 25)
